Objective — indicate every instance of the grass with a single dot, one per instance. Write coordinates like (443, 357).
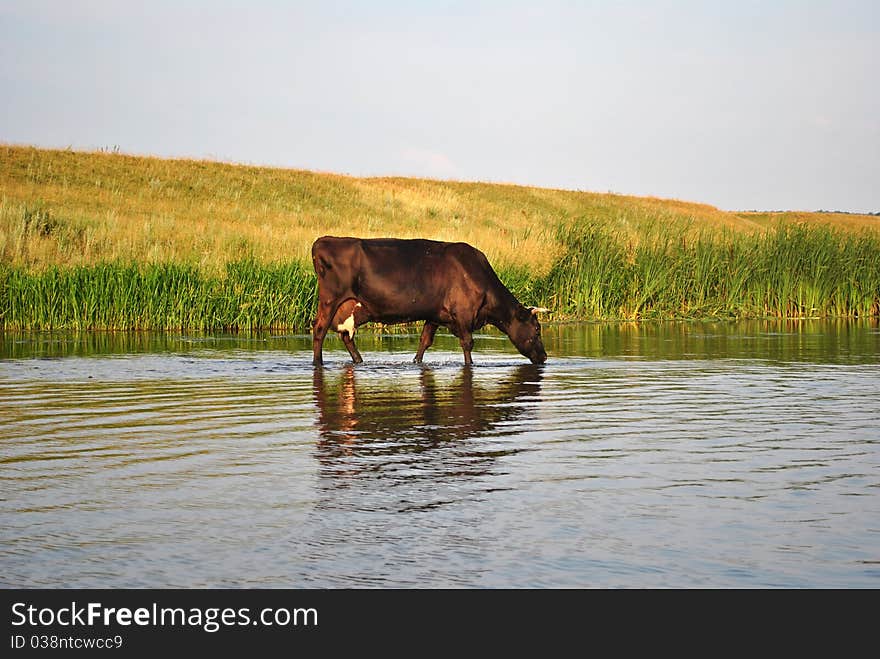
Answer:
(248, 296)
(98, 240)
(791, 271)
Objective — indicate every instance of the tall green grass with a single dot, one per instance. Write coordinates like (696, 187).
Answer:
(793, 271)
(247, 296)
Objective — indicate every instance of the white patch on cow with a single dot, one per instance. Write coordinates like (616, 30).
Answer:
(348, 325)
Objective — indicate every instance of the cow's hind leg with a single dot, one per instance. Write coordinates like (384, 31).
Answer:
(326, 311)
(425, 341)
(351, 347)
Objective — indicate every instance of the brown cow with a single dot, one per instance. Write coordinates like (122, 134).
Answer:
(392, 281)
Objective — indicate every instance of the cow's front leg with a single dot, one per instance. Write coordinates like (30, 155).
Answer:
(326, 311)
(425, 341)
(466, 340)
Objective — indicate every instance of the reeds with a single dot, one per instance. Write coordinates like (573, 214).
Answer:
(791, 271)
(247, 296)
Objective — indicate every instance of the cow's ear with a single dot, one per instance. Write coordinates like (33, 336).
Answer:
(536, 310)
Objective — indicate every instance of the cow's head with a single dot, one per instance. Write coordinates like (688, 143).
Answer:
(525, 333)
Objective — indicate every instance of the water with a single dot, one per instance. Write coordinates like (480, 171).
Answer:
(652, 455)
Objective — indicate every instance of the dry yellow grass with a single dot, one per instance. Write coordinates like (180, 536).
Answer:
(77, 208)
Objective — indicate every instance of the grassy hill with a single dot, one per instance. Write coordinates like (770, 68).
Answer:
(116, 241)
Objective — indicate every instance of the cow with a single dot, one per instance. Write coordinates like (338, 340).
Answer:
(391, 281)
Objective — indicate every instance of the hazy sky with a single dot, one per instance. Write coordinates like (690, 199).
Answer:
(740, 104)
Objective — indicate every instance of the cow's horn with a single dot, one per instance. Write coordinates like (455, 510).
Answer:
(537, 310)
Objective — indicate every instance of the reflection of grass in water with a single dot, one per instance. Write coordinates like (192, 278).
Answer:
(826, 340)
(834, 340)
(118, 242)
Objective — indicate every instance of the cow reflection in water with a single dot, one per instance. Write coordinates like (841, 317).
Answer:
(365, 416)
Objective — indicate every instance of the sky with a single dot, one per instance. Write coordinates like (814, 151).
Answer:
(746, 105)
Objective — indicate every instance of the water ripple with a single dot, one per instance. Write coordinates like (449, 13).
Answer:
(598, 469)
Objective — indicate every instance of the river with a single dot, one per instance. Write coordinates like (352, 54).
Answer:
(728, 454)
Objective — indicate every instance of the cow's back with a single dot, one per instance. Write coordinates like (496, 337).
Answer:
(403, 279)
(406, 279)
